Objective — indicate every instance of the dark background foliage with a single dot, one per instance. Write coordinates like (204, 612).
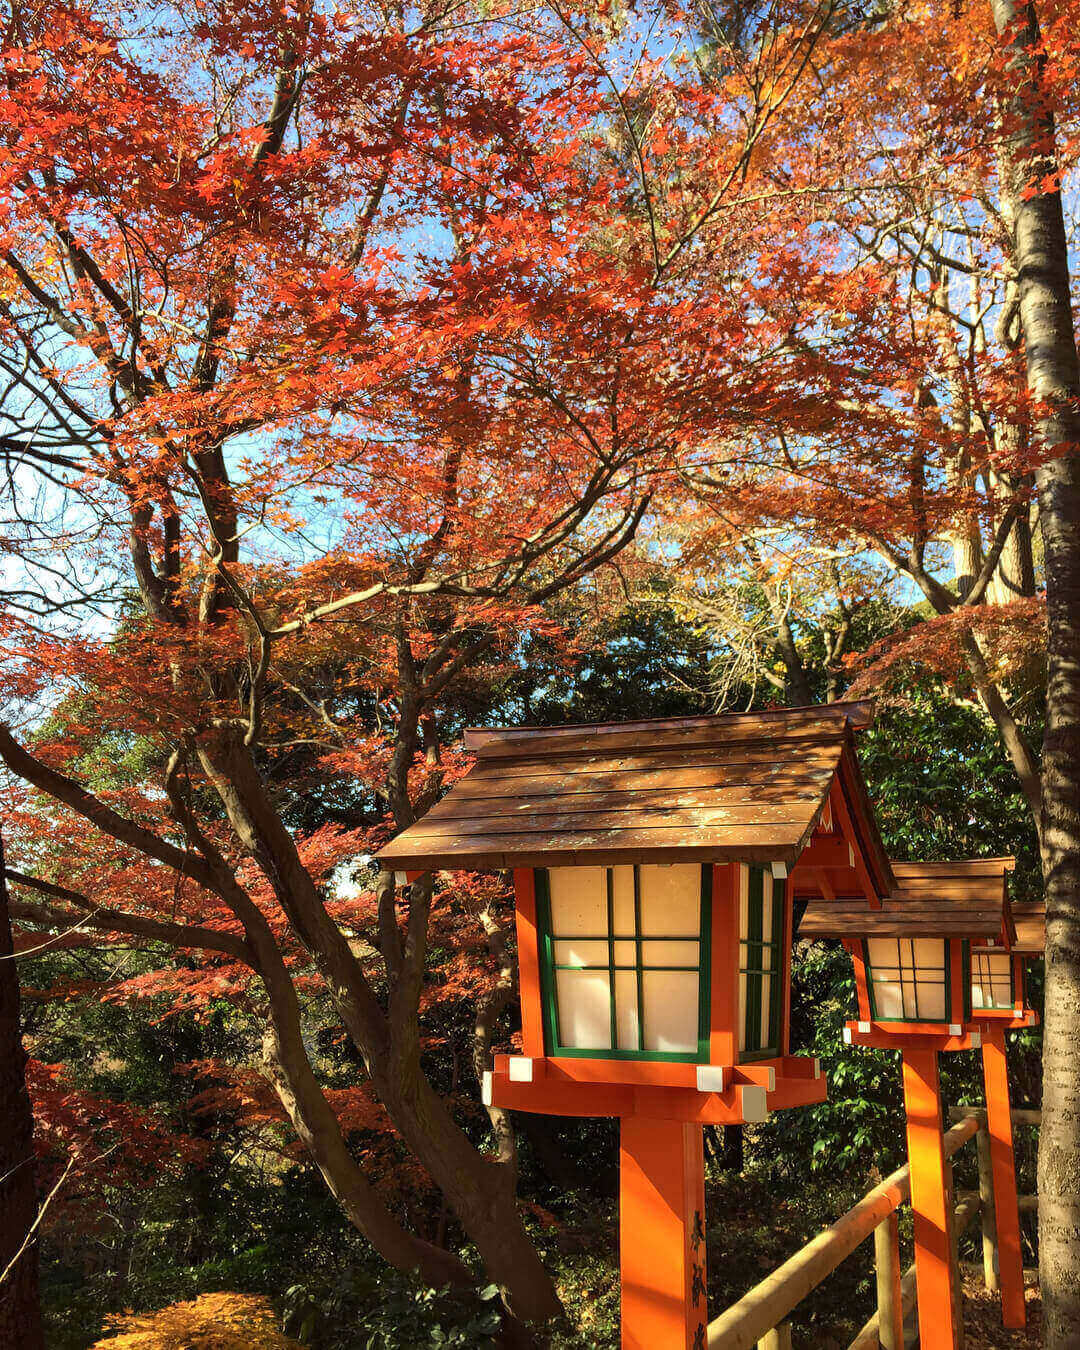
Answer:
(246, 1217)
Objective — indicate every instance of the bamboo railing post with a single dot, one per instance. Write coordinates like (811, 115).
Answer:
(889, 1297)
(742, 1325)
(777, 1339)
(986, 1212)
(954, 1255)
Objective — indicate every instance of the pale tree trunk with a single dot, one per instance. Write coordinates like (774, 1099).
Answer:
(20, 1312)
(964, 538)
(1053, 376)
(1014, 578)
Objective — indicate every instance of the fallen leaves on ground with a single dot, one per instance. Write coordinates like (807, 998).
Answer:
(210, 1322)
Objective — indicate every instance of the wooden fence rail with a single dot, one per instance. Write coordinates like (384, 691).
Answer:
(759, 1317)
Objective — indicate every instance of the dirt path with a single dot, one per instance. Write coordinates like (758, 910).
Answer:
(982, 1318)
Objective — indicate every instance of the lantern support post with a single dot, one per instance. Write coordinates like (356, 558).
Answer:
(1003, 1167)
(935, 1278)
(662, 1234)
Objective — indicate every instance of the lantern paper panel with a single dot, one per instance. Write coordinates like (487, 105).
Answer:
(908, 979)
(761, 931)
(991, 980)
(623, 950)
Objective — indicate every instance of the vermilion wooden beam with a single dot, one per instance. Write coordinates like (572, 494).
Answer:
(930, 1203)
(738, 1105)
(956, 982)
(1006, 1206)
(662, 1234)
(786, 943)
(913, 1035)
(532, 1025)
(724, 962)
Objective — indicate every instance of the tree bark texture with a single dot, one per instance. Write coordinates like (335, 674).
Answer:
(20, 1311)
(1053, 377)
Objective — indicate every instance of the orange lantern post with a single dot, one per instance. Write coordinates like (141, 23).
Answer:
(935, 971)
(999, 1004)
(652, 866)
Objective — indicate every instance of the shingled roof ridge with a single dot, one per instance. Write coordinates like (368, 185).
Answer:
(820, 721)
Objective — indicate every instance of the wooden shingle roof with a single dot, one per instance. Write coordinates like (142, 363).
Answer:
(967, 898)
(748, 787)
(1030, 921)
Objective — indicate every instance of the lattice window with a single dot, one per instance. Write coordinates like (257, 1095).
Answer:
(625, 957)
(909, 979)
(761, 932)
(991, 979)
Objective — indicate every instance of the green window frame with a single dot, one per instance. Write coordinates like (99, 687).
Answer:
(971, 964)
(549, 974)
(760, 960)
(903, 965)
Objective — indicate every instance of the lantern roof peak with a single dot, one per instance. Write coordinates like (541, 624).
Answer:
(966, 897)
(746, 787)
(822, 720)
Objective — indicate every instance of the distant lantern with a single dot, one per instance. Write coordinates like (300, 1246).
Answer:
(652, 866)
(939, 965)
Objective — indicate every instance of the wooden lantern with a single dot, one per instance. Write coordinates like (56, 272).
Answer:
(653, 867)
(939, 965)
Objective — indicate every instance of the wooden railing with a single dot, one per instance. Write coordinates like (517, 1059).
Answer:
(759, 1317)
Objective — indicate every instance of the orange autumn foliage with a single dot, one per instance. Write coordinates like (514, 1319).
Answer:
(209, 1322)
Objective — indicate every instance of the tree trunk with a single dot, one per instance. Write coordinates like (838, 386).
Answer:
(1053, 377)
(481, 1191)
(20, 1311)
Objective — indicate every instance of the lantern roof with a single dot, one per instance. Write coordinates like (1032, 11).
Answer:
(747, 786)
(1030, 921)
(965, 898)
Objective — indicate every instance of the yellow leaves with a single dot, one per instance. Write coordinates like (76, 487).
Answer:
(210, 1322)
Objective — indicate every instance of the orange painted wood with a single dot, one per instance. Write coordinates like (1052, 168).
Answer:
(843, 817)
(791, 1092)
(916, 1035)
(788, 1066)
(1003, 1166)
(934, 1276)
(724, 965)
(703, 1108)
(634, 1072)
(861, 988)
(532, 1021)
(785, 964)
(667, 1074)
(869, 849)
(662, 1234)
(824, 850)
(956, 981)
(549, 1098)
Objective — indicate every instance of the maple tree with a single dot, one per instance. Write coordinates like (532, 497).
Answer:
(20, 1315)
(339, 342)
(935, 159)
